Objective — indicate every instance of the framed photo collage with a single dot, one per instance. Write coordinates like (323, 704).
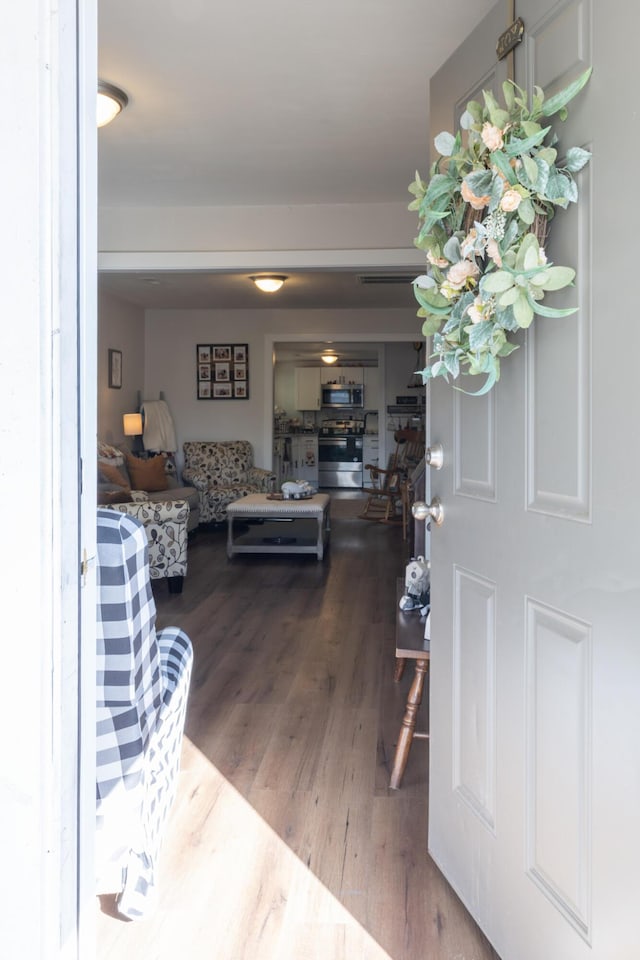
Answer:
(222, 371)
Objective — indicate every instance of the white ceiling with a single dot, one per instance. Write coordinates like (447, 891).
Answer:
(255, 103)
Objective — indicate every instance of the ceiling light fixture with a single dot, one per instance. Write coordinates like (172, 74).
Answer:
(269, 282)
(329, 357)
(111, 101)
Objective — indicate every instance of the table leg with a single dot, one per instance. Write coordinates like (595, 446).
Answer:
(407, 730)
(229, 537)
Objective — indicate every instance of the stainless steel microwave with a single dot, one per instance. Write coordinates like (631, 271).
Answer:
(342, 395)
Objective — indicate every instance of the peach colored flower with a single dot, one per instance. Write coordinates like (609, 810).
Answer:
(437, 261)
(492, 136)
(478, 311)
(510, 201)
(461, 272)
(478, 203)
(494, 252)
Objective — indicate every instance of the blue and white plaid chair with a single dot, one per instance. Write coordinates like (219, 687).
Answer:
(142, 688)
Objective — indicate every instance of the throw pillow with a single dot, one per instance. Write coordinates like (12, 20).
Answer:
(112, 474)
(147, 475)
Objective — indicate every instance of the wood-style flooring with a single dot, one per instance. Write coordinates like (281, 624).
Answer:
(285, 842)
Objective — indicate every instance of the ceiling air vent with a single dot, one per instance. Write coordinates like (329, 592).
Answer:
(384, 279)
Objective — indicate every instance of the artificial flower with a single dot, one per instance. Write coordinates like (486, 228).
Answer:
(492, 136)
(510, 201)
(462, 272)
(478, 203)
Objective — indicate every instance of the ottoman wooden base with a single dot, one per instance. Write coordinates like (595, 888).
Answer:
(257, 506)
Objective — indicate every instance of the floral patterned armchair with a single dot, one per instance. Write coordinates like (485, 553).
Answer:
(223, 471)
(165, 523)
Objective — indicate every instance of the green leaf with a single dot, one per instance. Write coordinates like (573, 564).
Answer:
(576, 159)
(531, 257)
(432, 302)
(501, 161)
(475, 109)
(507, 348)
(572, 192)
(494, 109)
(490, 381)
(430, 326)
(452, 363)
(555, 278)
(543, 176)
(509, 297)
(530, 128)
(548, 154)
(560, 100)
(509, 94)
(528, 242)
(543, 311)
(479, 333)
(517, 147)
(523, 311)
(526, 212)
(445, 144)
(466, 121)
(531, 169)
(496, 282)
(452, 250)
(558, 188)
(479, 182)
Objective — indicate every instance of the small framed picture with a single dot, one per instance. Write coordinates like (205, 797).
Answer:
(204, 353)
(222, 391)
(240, 390)
(240, 353)
(204, 390)
(240, 371)
(115, 369)
(222, 372)
(222, 353)
(204, 371)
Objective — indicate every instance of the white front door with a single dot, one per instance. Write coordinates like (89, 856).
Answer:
(535, 669)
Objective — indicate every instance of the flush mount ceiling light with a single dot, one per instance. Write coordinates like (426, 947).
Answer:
(269, 282)
(329, 357)
(111, 101)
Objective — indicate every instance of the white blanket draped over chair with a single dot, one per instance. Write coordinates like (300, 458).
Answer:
(142, 687)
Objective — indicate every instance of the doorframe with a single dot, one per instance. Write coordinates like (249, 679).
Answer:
(270, 341)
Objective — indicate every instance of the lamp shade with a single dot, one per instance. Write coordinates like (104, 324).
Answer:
(329, 358)
(269, 282)
(132, 424)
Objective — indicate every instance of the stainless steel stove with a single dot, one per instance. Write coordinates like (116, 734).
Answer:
(340, 453)
(342, 428)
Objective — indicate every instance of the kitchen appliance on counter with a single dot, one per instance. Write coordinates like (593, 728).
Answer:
(340, 453)
(342, 395)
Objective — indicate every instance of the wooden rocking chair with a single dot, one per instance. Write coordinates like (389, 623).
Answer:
(385, 489)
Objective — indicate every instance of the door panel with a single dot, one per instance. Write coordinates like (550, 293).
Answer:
(535, 572)
(475, 446)
(474, 684)
(559, 747)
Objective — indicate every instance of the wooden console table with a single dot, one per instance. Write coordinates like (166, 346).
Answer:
(410, 645)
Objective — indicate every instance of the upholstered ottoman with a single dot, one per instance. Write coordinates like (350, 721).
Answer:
(283, 526)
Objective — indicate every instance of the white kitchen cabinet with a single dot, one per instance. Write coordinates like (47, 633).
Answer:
(371, 383)
(341, 374)
(304, 458)
(307, 388)
(371, 451)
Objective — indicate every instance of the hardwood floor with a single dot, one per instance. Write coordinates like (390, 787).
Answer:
(285, 842)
